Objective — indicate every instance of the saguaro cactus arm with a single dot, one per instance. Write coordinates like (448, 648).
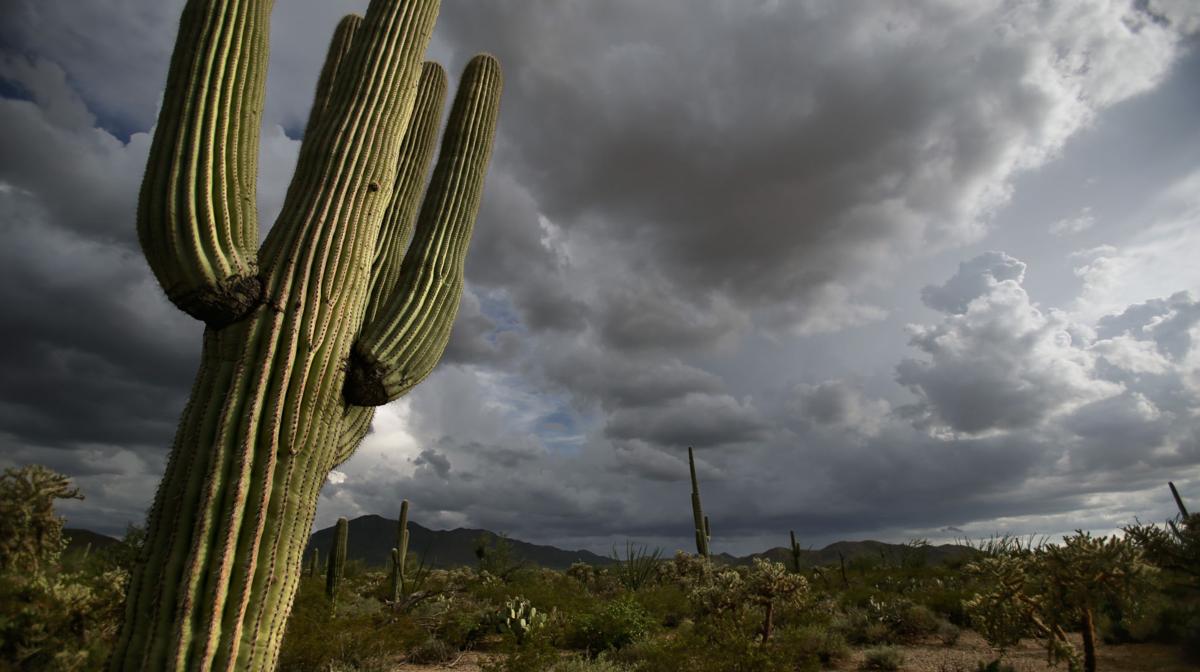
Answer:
(196, 218)
(401, 345)
(700, 520)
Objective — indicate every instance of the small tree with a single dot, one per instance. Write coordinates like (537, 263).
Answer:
(31, 538)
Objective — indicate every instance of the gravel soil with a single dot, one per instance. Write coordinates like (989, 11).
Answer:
(1030, 657)
(962, 657)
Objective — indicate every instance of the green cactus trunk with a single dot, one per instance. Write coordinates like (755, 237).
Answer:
(700, 520)
(331, 317)
(337, 559)
(795, 552)
(400, 554)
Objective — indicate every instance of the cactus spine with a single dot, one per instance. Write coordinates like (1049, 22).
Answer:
(400, 554)
(795, 552)
(701, 521)
(337, 559)
(335, 313)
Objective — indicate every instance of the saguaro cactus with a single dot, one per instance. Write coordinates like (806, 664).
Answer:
(795, 552)
(335, 313)
(400, 554)
(314, 564)
(337, 558)
(701, 521)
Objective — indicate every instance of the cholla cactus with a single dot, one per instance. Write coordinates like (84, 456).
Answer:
(337, 312)
(521, 618)
(688, 571)
(1045, 591)
(30, 534)
(769, 584)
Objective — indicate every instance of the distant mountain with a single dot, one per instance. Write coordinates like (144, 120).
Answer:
(853, 550)
(79, 540)
(371, 539)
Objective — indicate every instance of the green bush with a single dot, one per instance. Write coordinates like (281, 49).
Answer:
(883, 658)
(612, 625)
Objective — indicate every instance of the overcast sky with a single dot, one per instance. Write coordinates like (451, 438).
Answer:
(894, 269)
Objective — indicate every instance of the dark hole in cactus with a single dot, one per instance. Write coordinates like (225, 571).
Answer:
(364, 382)
(230, 300)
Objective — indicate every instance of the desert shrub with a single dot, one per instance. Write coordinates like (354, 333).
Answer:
(948, 633)
(883, 658)
(914, 622)
(533, 653)
(859, 627)
(460, 621)
(432, 650)
(667, 604)
(825, 644)
(996, 665)
(585, 664)
(62, 622)
(611, 625)
(360, 636)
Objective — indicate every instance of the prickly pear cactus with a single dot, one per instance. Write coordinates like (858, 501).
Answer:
(336, 312)
(522, 618)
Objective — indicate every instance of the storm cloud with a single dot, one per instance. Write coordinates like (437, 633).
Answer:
(768, 230)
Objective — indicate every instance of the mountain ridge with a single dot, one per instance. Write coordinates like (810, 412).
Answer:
(372, 537)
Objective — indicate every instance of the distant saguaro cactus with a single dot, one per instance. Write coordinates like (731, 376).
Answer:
(337, 558)
(334, 314)
(795, 552)
(314, 563)
(701, 521)
(400, 554)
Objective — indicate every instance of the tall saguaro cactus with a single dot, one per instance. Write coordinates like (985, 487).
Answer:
(335, 313)
(337, 558)
(701, 521)
(400, 554)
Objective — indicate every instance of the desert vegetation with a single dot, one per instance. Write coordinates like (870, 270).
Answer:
(61, 610)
